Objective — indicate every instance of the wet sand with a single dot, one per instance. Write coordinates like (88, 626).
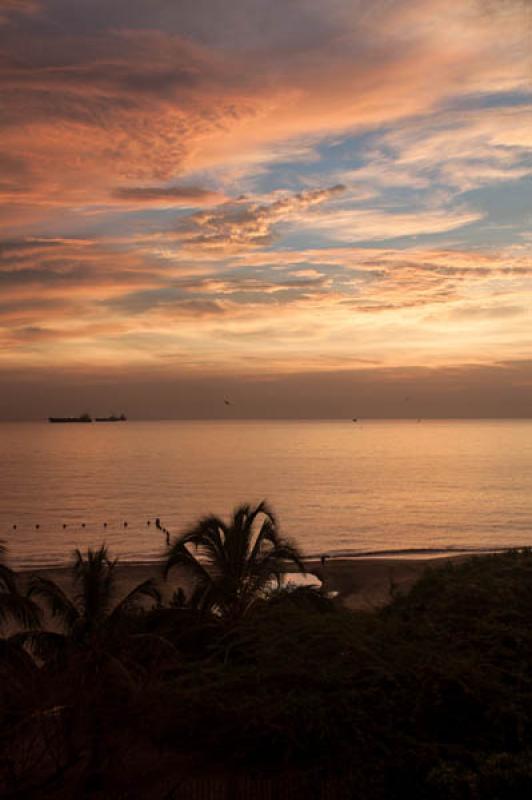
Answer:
(358, 583)
(367, 583)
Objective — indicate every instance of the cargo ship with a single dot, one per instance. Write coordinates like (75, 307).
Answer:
(112, 418)
(82, 418)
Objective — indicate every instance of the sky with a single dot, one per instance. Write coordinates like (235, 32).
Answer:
(313, 209)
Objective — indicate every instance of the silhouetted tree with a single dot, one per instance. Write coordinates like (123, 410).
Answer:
(234, 564)
(92, 615)
(97, 650)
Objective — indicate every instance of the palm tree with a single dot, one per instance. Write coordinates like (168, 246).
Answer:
(233, 564)
(96, 648)
(91, 616)
(17, 668)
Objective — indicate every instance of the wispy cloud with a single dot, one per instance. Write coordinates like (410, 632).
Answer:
(264, 186)
(460, 150)
(352, 225)
(167, 196)
(247, 223)
(378, 304)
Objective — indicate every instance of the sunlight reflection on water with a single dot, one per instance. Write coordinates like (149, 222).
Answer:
(335, 486)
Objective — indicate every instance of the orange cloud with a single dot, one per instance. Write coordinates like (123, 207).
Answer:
(163, 197)
(167, 196)
(70, 300)
(150, 106)
(245, 223)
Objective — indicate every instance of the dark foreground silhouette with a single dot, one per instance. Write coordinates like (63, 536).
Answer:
(238, 688)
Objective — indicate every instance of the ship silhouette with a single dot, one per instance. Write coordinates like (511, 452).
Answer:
(87, 418)
(82, 418)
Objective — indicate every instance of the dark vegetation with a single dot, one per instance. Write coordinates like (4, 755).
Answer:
(241, 688)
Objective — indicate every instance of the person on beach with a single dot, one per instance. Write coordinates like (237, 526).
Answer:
(323, 559)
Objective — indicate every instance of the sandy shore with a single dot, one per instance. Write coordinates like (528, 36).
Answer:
(359, 583)
(128, 576)
(366, 583)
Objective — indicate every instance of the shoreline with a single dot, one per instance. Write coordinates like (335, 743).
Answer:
(358, 583)
(423, 555)
(367, 583)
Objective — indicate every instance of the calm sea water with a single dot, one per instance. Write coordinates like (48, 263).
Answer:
(336, 486)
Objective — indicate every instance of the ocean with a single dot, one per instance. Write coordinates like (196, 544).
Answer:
(336, 486)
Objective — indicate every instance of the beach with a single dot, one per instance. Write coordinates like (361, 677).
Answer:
(368, 583)
(364, 583)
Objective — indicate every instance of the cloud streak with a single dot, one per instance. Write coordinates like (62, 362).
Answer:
(246, 223)
(167, 196)
(264, 188)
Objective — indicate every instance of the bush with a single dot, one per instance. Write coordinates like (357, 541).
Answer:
(431, 697)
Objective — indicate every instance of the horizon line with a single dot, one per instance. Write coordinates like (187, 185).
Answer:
(299, 419)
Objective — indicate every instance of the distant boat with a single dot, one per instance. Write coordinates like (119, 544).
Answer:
(112, 418)
(354, 419)
(82, 418)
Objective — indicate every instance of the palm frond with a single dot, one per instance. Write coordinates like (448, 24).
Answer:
(198, 600)
(45, 645)
(94, 576)
(179, 598)
(268, 531)
(209, 536)
(180, 556)
(147, 588)
(8, 579)
(15, 604)
(273, 564)
(264, 509)
(236, 562)
(14, 657)
(55, 598)
(20, 608)
(289, 553)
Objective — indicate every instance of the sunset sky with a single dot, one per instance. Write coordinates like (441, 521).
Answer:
(313, 208)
